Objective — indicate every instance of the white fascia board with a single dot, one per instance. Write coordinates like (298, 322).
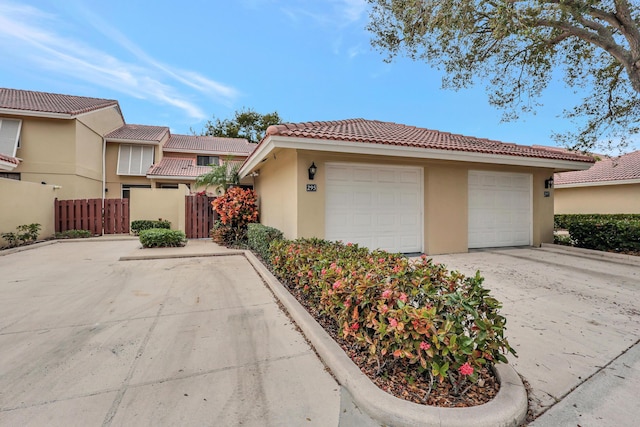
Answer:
(203, 152)
(50, 115)
(132, 141)
(598, 183)
(403, 151)
(259, 154)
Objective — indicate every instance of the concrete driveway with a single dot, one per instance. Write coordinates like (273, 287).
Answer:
(88, 340)
(574, 320)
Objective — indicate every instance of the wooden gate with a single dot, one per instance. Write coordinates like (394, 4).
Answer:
(199, 216)
(87, 214)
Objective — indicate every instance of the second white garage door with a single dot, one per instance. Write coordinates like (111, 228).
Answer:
(375, 206)
(500, 211)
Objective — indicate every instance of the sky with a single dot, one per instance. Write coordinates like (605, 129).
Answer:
(178, 64)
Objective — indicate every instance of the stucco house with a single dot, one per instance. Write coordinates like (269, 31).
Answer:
(403, 188)
(610, 186)
(85, 149)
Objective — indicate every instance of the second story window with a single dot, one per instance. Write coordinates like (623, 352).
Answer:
(208, 160)
(134, 159)
(9, 136)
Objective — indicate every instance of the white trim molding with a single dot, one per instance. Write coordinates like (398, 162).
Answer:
(598, 183)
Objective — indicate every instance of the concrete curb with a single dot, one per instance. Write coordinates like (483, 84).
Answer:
(365, 404)
(170, 256)
(591, 253)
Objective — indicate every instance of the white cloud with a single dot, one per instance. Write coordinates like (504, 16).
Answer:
(30, 35)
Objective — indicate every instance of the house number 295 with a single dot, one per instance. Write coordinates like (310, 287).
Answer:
(312, 187)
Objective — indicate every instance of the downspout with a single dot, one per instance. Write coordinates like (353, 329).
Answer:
(104, 174)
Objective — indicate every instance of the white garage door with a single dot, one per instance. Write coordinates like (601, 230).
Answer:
(376, 206)
(499, 209)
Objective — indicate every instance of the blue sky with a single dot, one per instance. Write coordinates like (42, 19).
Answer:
(179, 63)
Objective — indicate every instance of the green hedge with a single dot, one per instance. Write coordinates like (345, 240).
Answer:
(411, 314)
(162, 238)
(562, 221)
(146, 224)
(73, 234)
(618, 235)
(260, 237)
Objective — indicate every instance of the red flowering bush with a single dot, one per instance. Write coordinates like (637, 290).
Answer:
(237, 208)
(399, 311)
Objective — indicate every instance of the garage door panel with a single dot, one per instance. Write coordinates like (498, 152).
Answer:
(383, 206)
(500, 209)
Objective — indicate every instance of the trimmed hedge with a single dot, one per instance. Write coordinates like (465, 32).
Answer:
(402, 313)
(618, 235)
(260, 237)
(162, 238)
(562, 221)
(146, 224)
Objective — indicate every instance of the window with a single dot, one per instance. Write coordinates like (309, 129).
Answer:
(10, 175)
(9, 136)
(134, 159)
(208, 160)
(126, 187)
(171, 186)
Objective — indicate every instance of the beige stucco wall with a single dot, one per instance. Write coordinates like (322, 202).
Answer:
(605, 199)
(66, 152)
(277, 193)
(285, 204)
(26, 203)
(156, 203)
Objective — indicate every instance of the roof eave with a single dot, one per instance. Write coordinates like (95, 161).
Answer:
(132, 141)
(598, 183)
(52, 115)
(7, 166)
(348, 147)
(208, 152)
(173, 177)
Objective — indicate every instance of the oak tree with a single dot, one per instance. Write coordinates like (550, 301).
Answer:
(246, 123)
(520, 46)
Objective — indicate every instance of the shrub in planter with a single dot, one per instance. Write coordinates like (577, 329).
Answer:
(73, 234)
(562, 221)
(400, 312)
(237, 208)
(223, 234)
(146, 224)
(260, 237)
(618, 235)
(162, 238)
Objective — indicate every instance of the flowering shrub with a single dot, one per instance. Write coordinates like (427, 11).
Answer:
(237, 208)
(400, 311)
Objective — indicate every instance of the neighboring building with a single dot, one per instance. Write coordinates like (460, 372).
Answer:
(83, 146)
(611, 185)
(405, 189)
(58, 138)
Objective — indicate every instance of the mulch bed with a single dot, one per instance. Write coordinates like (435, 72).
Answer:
(408, 384)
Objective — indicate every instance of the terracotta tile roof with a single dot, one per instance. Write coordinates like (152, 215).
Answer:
(608, 169)
(178, 167)
(138, 133)
(387, 133)
(43, 102)
(9, 159)
(209, 144)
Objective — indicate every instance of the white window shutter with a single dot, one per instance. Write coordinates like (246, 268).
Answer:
(9, 136)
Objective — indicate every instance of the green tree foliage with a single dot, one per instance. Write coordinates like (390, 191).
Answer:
(516, 45)
(246, 123)
(223, 175)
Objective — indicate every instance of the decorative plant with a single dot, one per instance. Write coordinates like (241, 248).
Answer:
(224, 175)
(401, 312)
(237, 208)
(26, 233)
(162, 238)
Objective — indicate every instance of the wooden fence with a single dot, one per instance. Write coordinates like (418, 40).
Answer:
(199, 216)
(87, 214)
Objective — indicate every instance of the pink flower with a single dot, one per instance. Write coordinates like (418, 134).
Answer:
(403, 297)
(397, 269)
(339, 270)
(306, 287)
(384, 309)
(349, 244)
(310, 273)
(333, 265)
(323, 272)
(426, 346)
(393, 322)
(386, 294)
(355, 326)
(277, 258)
(347, 303)
(337, 284)
(466, 369)
(300, 274)
(381, 260)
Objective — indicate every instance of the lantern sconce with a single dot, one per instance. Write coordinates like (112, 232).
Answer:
(312, 170)
(548, 183)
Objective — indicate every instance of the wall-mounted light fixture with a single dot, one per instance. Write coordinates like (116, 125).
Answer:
(548, 183)
(312, 170)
